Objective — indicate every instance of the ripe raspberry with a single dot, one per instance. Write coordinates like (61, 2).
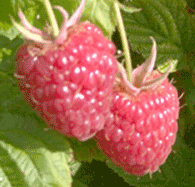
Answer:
(67, 81)
(144, 119)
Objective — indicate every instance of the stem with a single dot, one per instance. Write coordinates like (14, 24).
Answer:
(52, 18)
(125, 45)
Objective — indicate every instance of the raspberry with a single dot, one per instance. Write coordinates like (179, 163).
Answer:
(69, 80)
(143, 125)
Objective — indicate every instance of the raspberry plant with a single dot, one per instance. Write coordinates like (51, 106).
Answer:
(31, 154)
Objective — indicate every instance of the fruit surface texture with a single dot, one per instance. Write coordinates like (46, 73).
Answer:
(69, 81)
(144, 115)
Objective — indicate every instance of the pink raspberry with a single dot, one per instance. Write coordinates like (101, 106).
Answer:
(140, 132)
(67, 80)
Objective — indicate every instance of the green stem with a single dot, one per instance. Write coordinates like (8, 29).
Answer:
(125, 45)
(52, 18)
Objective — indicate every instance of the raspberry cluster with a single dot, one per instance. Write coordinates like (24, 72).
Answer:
(76, 85)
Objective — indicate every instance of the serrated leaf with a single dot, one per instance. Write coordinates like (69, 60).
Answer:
(178, 170)
(16, 166)
(168, 22)
(48, 152)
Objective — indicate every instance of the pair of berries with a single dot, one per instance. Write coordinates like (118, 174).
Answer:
(72, 83)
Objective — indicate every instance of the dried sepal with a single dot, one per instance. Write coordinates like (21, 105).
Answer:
(28, 34)
(27, 25)
(76, 15)
(63, 31)
(68, 22)
(155, 82)
(125, 82)
(140, 75)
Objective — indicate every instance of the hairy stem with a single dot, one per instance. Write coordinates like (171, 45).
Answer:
(52, 18)
(125, 45)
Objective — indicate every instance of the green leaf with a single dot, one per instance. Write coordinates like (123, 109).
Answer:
(7, 53)
(86, 151)
(74, 166)
(178, 170)
(45, 151)
(164, 67)
(168, 22)
(100, 12)
(187, 79)
(78, 183)
(16, 166)
(4, 41)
